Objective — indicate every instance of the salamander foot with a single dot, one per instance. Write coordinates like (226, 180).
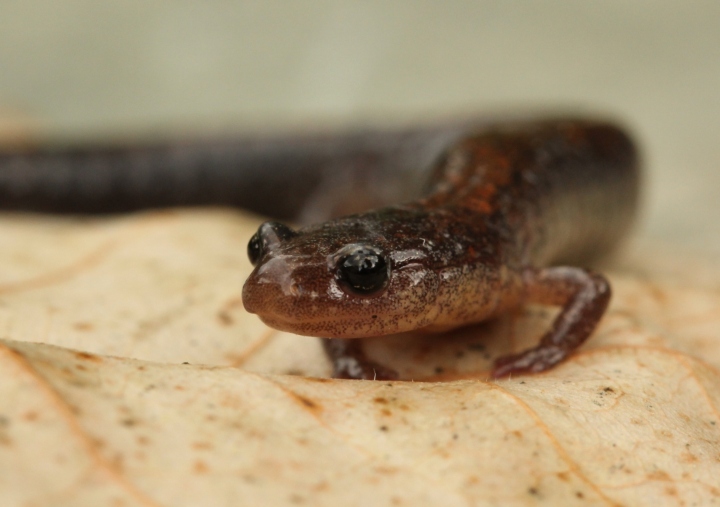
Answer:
(582, 296)
(350, 362)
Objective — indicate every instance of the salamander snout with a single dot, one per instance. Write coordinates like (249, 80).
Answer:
(268, 235)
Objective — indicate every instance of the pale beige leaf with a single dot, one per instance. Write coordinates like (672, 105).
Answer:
(97, 408)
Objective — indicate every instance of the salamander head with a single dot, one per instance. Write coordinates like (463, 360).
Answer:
(353, 277)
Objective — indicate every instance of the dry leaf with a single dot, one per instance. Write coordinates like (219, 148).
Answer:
(97, 405)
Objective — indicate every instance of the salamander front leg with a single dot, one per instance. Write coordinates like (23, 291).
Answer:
(583, 296)
(350, 362)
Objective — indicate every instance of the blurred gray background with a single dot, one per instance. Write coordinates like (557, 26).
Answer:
(82, 69)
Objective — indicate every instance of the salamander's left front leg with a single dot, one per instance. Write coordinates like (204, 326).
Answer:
(583, 296)
(350, 362)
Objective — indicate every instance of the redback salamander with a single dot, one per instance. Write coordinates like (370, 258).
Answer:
(509, 215)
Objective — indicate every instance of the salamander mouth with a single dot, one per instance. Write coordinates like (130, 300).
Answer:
(342, 327)
(323, 328)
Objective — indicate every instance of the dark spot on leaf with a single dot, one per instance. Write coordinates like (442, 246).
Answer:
(87, 357)
(225, 318)
(83, 326)
(200, 467)
(307, 402)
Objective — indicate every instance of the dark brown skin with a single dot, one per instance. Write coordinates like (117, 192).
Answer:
(301, 177)
(509, 215)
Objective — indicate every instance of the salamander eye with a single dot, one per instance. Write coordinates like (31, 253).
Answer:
(364, 270)
(255, 249)
(268, 235)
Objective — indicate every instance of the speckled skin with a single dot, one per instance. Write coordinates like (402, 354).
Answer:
(502, 207)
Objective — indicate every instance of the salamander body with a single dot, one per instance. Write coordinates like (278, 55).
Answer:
(509, 214)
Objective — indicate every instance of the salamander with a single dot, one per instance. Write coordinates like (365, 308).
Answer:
(510, 216)
(506, 217)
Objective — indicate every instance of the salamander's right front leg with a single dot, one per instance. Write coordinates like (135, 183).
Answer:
(583, 296)
(350, 362)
